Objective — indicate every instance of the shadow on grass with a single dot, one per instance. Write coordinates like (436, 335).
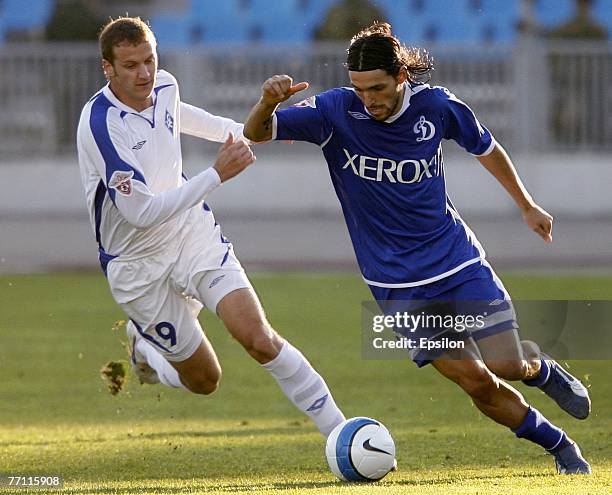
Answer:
(194, 486)
(238, 431)
(294, 485)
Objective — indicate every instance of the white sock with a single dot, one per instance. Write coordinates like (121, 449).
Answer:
(305, 388)
(165, 371)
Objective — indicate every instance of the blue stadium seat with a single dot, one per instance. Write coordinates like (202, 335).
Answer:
(422, 22)
(414, 21)
(602, 11)
(226, 21)
(205, 8)
(441, 21)
(171, 29)
(22, 16)
(453, 21)
(501, 17)
(316, 9)
(285, 22)
(406, 19)
(553, 12)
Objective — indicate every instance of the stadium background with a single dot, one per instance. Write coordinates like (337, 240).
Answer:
(548, 100)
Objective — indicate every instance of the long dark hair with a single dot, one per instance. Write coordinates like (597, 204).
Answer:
(376, 48)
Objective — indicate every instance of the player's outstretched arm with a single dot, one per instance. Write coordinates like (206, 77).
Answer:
(143, 208)
(202, 124)
(500, 165)
(258, 126)
(146, 209)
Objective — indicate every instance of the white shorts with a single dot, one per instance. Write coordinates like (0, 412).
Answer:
(163, 293)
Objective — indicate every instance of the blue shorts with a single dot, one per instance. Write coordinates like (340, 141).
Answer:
(473, 295)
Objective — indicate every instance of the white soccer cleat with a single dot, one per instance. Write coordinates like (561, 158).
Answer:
(141, 368)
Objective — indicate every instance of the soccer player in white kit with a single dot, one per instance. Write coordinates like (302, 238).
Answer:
(159, 245)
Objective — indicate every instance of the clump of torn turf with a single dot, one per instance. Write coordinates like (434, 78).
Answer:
(118, 325)
(118, 329)
(114, 373)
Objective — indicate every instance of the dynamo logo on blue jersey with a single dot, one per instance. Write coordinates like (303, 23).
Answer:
(425, 128)
(385, 169)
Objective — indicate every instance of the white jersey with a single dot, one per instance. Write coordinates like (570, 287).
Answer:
(131, 168)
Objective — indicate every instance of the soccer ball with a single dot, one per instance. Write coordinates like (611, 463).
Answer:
(360, 449)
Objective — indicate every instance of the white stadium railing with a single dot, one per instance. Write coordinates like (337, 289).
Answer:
(533, 95)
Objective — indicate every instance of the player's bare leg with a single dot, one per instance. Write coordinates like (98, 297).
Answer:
(495, 398)
(508, 357)
(512, 359)
(201, 372)
(505, 405)
(243, 316)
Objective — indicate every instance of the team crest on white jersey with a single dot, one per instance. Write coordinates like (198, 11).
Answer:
(425, 128)
(122, 181)
(308, 102)
(169, 121)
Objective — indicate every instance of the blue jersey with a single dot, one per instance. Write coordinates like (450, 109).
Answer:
(389, 178)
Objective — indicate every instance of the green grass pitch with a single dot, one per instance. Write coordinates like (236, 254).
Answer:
(56, 416)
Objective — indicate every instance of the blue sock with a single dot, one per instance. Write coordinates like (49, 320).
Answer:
(542, 377)
(538, 429)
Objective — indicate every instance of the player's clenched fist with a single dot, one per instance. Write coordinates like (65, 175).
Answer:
(280, 88)
(233, 158)
(259, 123)
(540, 221)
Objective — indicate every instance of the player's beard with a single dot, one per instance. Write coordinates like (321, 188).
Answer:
(383, 112)
(380, 112)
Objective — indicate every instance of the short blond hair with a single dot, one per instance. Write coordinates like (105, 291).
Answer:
(132, 30)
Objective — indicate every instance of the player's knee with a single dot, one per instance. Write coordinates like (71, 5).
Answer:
(203, 387)
(204, 384)
(478, 382)
(264, 344)
(509, 369)
(259, 339)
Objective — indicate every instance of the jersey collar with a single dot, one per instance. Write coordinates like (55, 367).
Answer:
(405, 104)
(408, 92)
(122, 106)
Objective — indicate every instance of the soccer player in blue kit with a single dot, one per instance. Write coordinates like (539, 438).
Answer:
(381, 139)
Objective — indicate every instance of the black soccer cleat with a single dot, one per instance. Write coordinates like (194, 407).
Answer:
(566, 390)
(569, 460)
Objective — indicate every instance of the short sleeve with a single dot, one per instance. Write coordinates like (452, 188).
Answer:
(462, 126)
(304, 121)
